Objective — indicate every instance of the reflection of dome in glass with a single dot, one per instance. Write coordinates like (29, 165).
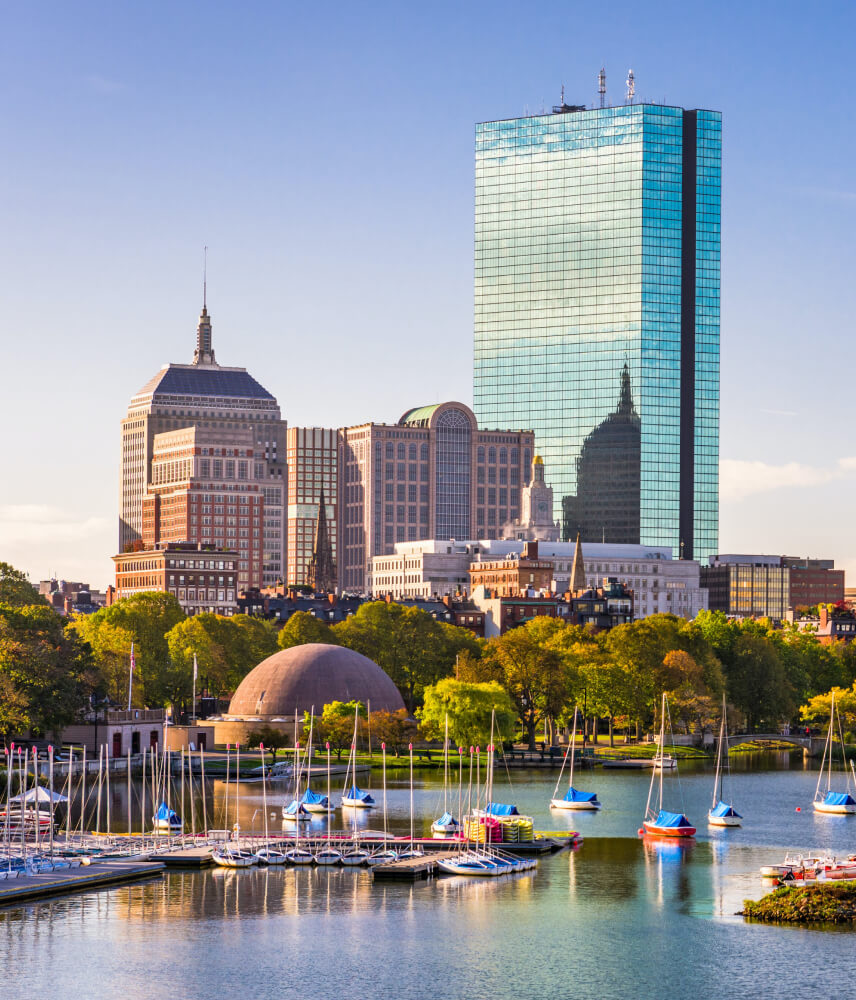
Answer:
(315, 674)
(606, 506)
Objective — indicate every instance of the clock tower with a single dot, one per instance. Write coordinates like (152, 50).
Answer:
(536, 508)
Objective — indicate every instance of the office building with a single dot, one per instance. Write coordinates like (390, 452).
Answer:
(202, 490)
(312, 457)
(747, 586)
(813, 582)
(202, 578)
(433, 569)
(208, 395)
(597, 237)
(434, 474)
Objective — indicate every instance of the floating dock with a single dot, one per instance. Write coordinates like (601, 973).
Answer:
(82, 879)
(410, 869)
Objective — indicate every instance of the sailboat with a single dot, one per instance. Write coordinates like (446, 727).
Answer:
(836, 803)
(352, 796)
(662, 823)
(267, 855)
(573, 798)
(722, 813)
(446, 825)
(297, 855)
(328, 855)
(232, 855)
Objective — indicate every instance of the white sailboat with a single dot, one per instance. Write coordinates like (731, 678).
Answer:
(446, 825)
(232, 855)
(267, 855)
(573, 799)
(661, 823)
(722, 813)
(353, 796)
(328, 855)
(834, 803)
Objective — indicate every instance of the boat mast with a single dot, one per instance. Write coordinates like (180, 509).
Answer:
(238, 789)
(264, 794)
(716, 783)
(446, 767)
(573, 750)
(653, 773)
(662, 743)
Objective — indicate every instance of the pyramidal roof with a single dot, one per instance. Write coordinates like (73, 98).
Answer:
(204, 377)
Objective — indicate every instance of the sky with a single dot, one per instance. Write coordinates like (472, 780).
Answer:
(324, 154)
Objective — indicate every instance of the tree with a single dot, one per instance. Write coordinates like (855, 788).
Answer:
(16, 590)
(395, 729)
(47, 670)
(146, 618)
(756, 682)
(534, 675)
(336, 725)
(819, 708)
(469, 707)
(606, 683)
(303, 627)
(413, 648)
(267, 737)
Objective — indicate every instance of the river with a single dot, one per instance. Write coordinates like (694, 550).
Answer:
(616, 918)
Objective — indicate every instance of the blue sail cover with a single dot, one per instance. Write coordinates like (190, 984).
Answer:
(314, 799)
(447, 819)
(668, 821)
(724, 809)
(500, 809)
(291, 808)
(358, 795)
(165, 814)
(574, 795)
(839, 799)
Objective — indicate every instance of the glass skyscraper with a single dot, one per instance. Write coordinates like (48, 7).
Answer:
(597, 236)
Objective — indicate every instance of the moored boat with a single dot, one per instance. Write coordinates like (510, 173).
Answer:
(662, 823)
(166, 819)
(573, 799)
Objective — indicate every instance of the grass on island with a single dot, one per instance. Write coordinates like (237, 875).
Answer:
(643, 751)
(826, 903)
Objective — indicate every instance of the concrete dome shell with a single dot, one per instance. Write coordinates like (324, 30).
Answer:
(313, 674)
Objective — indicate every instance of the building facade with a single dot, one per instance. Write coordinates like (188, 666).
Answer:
(514, 575)
(202, 578)
(814, 581)
(597, 239)
(202, 491)
(206, 394)
(536, 510)
(747, 586)
(312, 470)
(434, 474)
(433, 569)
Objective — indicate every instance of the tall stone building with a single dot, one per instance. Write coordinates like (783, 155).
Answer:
(208, 395)
(433, 475)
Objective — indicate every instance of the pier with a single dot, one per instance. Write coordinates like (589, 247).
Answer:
(81, 879)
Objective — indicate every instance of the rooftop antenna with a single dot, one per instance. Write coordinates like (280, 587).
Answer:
(205, 277)
(631, 86)
(563, 96)
(601, 86)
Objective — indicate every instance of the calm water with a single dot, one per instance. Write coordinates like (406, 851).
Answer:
(617, 918)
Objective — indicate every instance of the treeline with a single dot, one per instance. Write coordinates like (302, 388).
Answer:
(52, 669)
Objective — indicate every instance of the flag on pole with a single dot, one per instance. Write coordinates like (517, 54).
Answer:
(195, 667)
(133, 661)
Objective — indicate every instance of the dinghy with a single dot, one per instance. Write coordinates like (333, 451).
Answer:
(834, 803)
(663, 823)
(167, 819)
(446, 825)
(722, 813)
(315, 803)
(356, 798)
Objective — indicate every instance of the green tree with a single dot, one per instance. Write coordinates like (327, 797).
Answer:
(819, 707)
(756, 682)
(47, 670)
(395, 729)
(271, 739)
(469, 707)
(607, 686)
(533, 673)
(336, 725)
(302, 628)
(413, 648)
(16, 590)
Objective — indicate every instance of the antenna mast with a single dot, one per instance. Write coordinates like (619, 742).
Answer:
(631, 86)
(601, 86)
(204, 277)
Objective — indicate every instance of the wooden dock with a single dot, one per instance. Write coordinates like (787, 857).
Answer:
(82, 879)
(411, 869)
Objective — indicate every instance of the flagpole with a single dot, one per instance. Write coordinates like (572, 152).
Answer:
(193, 708)
(131, 678)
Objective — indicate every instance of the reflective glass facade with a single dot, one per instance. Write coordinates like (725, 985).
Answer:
(597, 313)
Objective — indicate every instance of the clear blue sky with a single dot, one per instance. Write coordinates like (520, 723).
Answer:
(324, 154)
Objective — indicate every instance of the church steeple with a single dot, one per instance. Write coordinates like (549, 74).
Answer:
(625, 399)
(321, 571)
(578, 572)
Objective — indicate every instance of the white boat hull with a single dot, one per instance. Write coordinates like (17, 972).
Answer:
(318, 808)
(355, 860)
(356, 804)
(227, 860)
(299, 857)
(328, 858)
(267, 857)
(834, 810)
(574, 806)
(724, 820)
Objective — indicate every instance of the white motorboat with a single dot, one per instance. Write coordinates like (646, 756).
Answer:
(664, 762)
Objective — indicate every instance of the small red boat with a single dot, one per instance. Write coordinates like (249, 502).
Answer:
(669, 825)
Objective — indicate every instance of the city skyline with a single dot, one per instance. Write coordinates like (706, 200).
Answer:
(315, 268)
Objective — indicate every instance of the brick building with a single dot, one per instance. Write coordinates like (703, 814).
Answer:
(513, 575)
(814, 581)
(202, 578)
(434, 474)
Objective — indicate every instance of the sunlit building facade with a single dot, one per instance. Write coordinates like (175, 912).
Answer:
(312, 473)
(597, 239)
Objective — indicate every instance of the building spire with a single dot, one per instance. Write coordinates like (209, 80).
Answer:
(204, 353)
(578, 572)
(625, 399)
(321, 570)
